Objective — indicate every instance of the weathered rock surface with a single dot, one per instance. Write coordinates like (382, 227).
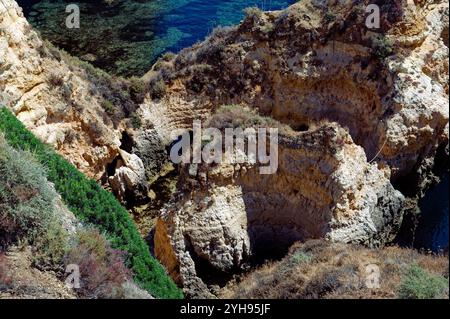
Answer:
(56, 101)
(369, 107)
(386, 90)
(317, 60)
(129, 179)
(231, 214)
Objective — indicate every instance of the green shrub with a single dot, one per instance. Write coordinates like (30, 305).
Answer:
(235, 116)
(137, 89)
(300, 258)
(51, 247)
(136, 121)
(26, 200)
(330, 16)
(383, 47)
(108, 106)
(157, 89)
(102, 270)
(92, 204)
(417, 283)
(27, 207)
(168, 56)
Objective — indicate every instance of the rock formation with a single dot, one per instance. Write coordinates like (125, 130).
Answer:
(81, 111)
(366, 112)
(59, 102)
(229, 215)
(385, 92)
(318, 60)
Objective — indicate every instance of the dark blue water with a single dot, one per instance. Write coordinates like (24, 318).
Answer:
(127, 37)
(433, 229)
(195, 19)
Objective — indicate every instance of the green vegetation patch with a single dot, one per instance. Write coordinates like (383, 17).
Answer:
(417, 283)
(26, 199)
(92, 204)
(235, 116)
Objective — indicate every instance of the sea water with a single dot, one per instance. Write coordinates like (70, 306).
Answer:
(127, 36)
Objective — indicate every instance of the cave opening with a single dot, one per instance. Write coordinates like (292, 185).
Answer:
(302, 127)
(126, 142)
(111, 167)
(270, 243)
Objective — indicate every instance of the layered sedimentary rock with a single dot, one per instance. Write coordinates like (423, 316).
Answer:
(79, 110)
(385, 90)
(318, 60)
(229, 215)
(368, 109)
(55, 101)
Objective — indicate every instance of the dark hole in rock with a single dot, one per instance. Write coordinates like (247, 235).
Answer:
(423, 226)
(270, 242)
(126, 142)
(444, 36)
(300, 127)
(111, 167)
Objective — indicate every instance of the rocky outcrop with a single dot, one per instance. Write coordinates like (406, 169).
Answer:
(129, 179)
(318, 60)
(367, 111)
(58, 101)
(384, 90)
(230, 215)
(81, 111)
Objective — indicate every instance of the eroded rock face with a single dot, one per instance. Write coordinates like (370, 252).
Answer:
(318, 60)
(370, 108)
(150, 147)
(385, 90)
(129, 180)
(56, 102)
(230, 215)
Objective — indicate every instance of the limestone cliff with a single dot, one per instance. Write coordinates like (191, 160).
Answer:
(317, 60)
(366, 112)
(58, 101)
(385, 92)
(228, 216)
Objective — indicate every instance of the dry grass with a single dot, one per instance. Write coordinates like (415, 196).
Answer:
(23, 281)
(5, 278)
(234, 116)
(318, 269)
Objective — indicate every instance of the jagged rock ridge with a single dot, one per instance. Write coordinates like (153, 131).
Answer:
(306, 66)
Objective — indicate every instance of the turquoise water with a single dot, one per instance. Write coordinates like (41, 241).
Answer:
(197, 18)
(127, 37)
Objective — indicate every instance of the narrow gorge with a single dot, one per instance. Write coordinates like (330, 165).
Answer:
(362, 116)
